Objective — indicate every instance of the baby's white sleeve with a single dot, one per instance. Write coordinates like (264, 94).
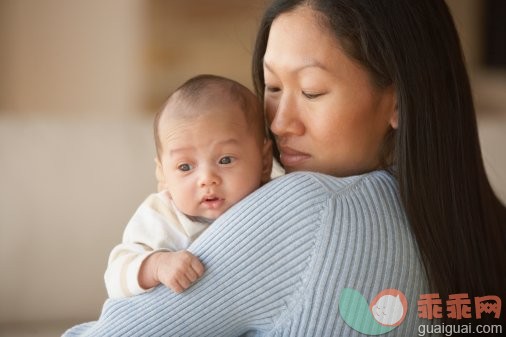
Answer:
(155, 226)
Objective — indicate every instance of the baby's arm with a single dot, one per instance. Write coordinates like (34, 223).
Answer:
(150, 253)
(176, 270)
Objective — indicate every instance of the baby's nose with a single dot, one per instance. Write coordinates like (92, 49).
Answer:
(209, 178)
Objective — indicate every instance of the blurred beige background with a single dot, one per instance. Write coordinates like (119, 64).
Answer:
(79, 83)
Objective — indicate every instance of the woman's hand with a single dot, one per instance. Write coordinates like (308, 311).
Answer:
(176, 270)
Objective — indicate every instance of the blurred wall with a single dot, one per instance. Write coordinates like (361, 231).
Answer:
(186, 38)
(75, 150)
(79, 81)
(468, 17)
(70, 58)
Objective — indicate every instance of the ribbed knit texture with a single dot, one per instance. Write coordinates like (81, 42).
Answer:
(277, 262)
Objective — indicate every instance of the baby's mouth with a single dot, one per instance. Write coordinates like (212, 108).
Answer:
(212, 202)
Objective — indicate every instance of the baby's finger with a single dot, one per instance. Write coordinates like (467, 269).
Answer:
(175, 286)
(184, 282)
(191, 275)
(198, 267)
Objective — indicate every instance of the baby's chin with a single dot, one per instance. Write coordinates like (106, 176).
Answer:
(207, 215)
(212, 214)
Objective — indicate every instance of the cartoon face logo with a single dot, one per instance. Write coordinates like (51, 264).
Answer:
(389, 307)
(385, 312)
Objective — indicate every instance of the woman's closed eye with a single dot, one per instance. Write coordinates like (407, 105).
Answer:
(312, 95)
(272, 89)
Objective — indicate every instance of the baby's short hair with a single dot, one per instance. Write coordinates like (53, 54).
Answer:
(206, 89)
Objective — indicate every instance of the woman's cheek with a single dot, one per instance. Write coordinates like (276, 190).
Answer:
(270, 106)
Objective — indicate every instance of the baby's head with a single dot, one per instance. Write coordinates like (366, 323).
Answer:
(212, 147)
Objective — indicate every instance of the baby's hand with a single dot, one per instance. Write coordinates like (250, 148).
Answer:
(178, 270)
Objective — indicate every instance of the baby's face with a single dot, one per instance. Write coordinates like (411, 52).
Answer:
(210, 162)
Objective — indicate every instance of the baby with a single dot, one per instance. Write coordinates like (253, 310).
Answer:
(212, 151)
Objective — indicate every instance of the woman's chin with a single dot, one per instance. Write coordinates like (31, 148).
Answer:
(297, 165)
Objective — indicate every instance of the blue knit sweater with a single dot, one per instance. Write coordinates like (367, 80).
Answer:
(278, 263)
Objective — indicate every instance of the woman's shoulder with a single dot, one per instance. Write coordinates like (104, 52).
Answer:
(375, 181)
(315, 192)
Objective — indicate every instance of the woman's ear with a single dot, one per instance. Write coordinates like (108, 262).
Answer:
(394, 117)
(159, 175)
(266, 161)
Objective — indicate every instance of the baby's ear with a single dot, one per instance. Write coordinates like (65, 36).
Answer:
(266, 161)
(160, 178)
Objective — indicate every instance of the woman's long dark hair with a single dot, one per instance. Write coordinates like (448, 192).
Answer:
(457, 220)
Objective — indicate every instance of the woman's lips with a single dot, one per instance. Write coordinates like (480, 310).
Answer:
(290, 157)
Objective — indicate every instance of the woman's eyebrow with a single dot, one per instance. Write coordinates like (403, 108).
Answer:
(309, 63)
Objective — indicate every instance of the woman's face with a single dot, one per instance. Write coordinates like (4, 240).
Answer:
(322, 107)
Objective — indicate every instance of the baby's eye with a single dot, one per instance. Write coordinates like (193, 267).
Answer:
(226, 160)
(184, 167)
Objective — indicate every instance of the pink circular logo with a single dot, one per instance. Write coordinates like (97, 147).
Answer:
(389, 307)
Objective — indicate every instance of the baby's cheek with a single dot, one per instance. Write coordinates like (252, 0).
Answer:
(182, 201)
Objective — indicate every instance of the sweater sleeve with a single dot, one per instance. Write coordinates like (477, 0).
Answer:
(255, 256)
(155, 226)
(277, 262)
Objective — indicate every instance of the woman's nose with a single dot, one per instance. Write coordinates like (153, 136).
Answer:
(209, 177)
(286, 119)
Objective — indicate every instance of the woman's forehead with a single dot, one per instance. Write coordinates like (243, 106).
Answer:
(298, 40)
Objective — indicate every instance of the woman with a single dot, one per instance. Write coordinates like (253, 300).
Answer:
(373, 94)
(433, 145)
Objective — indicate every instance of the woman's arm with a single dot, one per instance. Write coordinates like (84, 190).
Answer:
(256, 258)
(279, 263)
